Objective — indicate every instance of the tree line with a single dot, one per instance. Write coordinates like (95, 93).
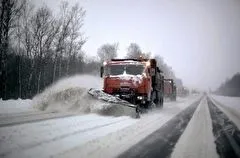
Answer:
(231, 87)
(38, 48)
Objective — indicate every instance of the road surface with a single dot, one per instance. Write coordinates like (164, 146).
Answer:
(196, 126)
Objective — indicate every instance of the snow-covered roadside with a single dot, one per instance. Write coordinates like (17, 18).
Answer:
(230, 106)
(114, 144)
(197, 140)
(55, 136)
(16, 106)
(231, 102)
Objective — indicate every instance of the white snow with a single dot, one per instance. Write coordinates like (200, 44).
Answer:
(197, 140)
(87, 135)
(136, 79)
(55, 136)
(231, 102)
(16, 106)
(115, 143)
(83, 82)
(84, 136)
(230, 106)
(70, 94)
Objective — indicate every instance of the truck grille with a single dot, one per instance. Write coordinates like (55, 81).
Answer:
(125, 89)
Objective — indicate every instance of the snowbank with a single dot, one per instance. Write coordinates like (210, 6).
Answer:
(232, 103)
(15, 106)
(230, 106)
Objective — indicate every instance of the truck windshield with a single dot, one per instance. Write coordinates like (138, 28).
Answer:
(128, 69)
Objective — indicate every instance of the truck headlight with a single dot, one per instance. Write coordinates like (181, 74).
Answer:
(140, 97)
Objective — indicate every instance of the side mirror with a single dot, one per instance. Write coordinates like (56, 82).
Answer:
(152, 71)
(101, 71)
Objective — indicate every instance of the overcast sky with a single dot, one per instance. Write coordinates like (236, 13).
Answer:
(199, 39)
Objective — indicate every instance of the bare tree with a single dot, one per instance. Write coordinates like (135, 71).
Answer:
(60, 44)
(168, 71)
(17, 32)
(43, 35)
(27, 32)
(18, 36)
(107, 51)
(27, 40)
(133, 51)
(76, 39)
(9, 9)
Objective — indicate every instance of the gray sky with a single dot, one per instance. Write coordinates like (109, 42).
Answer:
(199, 39)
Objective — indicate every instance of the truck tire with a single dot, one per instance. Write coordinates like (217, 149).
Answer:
(161, 102)
(173, 98)
(155, 98)
(138, 111)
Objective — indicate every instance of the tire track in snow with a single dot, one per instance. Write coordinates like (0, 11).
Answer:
(116, 143)
(82, 126)
(232, 114)
(31, 118)
(70, 140)
(44, 130)
(161, 142)
(226, 133)
(197, 140)
(27, 134)
(6, 115)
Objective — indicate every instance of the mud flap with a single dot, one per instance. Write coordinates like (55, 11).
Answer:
(119, 104)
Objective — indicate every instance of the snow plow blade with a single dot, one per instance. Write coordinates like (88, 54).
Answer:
(119, 106)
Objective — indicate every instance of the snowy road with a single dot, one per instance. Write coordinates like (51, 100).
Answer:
(27, 117)
(197, 139)
(185, 128)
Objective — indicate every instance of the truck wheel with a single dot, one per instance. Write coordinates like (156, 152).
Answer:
(173, 98)
(137, 115)
(138, 110)
(161, 102)
(155, 98)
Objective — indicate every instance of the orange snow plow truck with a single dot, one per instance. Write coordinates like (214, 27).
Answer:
(170, 89)
(137, 81)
